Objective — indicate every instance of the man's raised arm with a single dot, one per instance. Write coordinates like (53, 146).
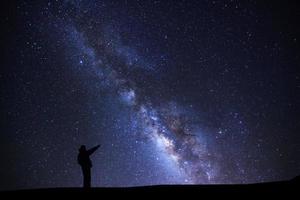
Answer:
(92, 150)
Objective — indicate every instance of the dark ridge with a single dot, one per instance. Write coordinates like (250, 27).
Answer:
(277, 188)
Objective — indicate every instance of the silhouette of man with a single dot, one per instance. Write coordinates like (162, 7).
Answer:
(86, 164)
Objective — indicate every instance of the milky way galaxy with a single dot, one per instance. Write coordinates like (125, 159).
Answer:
(170, 135)
(176, 92)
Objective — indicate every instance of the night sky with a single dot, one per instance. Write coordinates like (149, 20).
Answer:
(176, 92)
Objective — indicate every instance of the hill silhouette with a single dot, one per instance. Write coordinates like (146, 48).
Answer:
(272, 188)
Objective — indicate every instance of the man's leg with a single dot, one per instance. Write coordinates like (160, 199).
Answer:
(86, 177)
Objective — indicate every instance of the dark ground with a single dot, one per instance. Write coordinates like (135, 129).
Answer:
(283, 189)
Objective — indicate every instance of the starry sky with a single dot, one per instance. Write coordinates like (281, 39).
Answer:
(176, 92)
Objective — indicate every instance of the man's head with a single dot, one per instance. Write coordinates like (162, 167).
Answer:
(82, 148)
